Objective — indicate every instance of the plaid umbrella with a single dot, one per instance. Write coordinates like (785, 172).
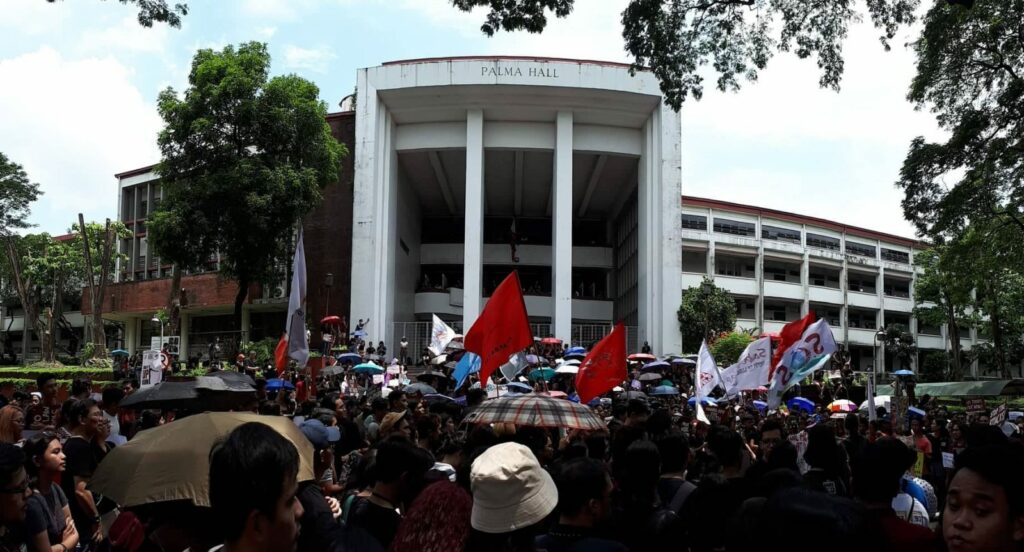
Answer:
(535, 410)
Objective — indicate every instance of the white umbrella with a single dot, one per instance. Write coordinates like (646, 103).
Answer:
(567, 369)
(880, 400)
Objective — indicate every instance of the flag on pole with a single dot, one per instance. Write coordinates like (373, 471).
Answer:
(468, 364)
(751, 370)
(706, 376)
(872, 412)
(281, 354)
(298, 345)
(440, 335)
(604, 366)
(516, 363)
(808, 355)
(789, 335)
(502, 328)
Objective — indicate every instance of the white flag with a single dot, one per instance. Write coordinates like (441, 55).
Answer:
(298, 343)
(707, 372)
(801, 359)
(516, 363)
(751, 371)
(440, 335)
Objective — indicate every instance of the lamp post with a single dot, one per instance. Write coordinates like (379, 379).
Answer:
(706, 289)
(880, 334)
(328, 283)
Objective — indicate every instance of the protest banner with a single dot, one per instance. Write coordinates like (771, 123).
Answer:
(974, 406)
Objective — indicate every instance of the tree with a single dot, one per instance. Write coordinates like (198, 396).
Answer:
(737, 37)
(706, 310)
(98, 246)
(941, 297)
(244, 158)
(970, 72)
(159, 11)
(899, 343)
(728, 348)
(17, 192)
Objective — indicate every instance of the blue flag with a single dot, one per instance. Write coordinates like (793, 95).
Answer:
(468, 364)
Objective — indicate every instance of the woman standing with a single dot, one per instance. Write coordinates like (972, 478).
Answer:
(48, 520)
(12, 422)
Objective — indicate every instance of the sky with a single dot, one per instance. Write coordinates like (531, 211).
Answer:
(79, 81)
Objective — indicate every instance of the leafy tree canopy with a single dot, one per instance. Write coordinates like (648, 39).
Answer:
(158, 11)
(728, 348)
(17, 192)
(706, 310)
(244, 158)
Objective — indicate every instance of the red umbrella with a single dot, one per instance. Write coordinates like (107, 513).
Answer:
(331, 320)
(550, 341)
(642, 357)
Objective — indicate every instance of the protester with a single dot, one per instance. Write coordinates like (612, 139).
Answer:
(827, 466)
(876, 484)
(44, 414)
(985, 505)
(48, 522)
(438, 521)
(14, 492)
(12, 422)
(641, 521)
(84, 419)
(253, 487)
(584, 505)
(318, 524)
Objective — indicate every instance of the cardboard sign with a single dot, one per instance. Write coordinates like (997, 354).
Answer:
(918, 468)
(799, 441)
(973, 406)
(152, 368)
(947, 460)
(998, 415)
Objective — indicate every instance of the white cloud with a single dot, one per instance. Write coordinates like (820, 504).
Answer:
(266, 33)
(309, 59)
(33, 18)
(73, 123)
(125, 37)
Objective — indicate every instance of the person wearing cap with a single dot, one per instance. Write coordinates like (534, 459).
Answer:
(395, 423)
(512, 494)
(584, 503)
(318, 526)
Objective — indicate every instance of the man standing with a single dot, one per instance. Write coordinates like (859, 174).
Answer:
(44, 414)
(253, 487)
(584, 505)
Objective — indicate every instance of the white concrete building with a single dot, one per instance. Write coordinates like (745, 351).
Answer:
(780, 265)
(580, 158)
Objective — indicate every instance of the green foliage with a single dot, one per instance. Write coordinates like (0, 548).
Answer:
(244, 157)
(263, 348)
(17, 192)
(727, 349)
(158, 11)
(900, 344)
(934, 366)
(677, 40)
(942, 296)
(705, 314)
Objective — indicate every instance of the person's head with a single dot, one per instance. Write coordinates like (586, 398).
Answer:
(397, 402)
(726, 445)
(915, 426)
(584, 491)
(14, 488)
(822, 449)
(956, 431)
(675, 453)
(81, 388)
(475, 397)
(112, 397)
(395, 423)
(640, 470)
(321, 436)
(44, 455)
(47, 385)
(637, 411)
(771, 435)
(12, 422)
(85, 417)
(253, 473)
(129, 386)
(402, 465)
(852, 425)
(882, 465)
(511, 491)
(985, 503)
(379, 407)
(335, 402)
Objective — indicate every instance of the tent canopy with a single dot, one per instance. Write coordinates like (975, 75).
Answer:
(983, 388)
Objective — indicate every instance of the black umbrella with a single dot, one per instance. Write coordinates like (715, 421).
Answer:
(431, 375)
(201, 394)
(231, 377)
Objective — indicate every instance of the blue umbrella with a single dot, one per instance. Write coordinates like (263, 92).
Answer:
(434, 397)
(276, 384)
(532, 359)
(903, 373)
(354, 358)
(368, 368)
(119, 352)
(914, 412)
(359, 333)
(517, 387)
(656, 365)
(576, 351)
(707, 401)
(542, 373)
(760, 405)
(800, 403)
(665, 390)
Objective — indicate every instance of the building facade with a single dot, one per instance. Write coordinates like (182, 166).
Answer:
(778, 266)
(566, 171)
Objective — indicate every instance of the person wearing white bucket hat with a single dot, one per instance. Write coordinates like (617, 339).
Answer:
(511, 491)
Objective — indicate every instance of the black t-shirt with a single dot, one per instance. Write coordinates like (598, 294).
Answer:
(80, 456)
(319, 528)
(378, 521)
(46, 513)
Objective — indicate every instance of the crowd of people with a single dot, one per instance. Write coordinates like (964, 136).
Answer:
(406, 472)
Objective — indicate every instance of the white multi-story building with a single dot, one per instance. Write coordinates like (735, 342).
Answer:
(779, 265)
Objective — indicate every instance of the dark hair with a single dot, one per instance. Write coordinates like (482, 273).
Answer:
(12, 459)
(880, 470)
(34, 447)
(641, 470)
(773, 425)
(249, 470)
(427, 425)
(475, 396)
(41, 380)
(637, 406)
(395, 396)
(579, 481)
(79, 410)
(675, 452)
(822, 449)
(726, 445)
(783, 456)
(80, 385)
(1000, 465)
(112, 395)
(269, 408)
(329, 400)
(149, 419)
(397, 455)
(852, 425)
(378, 404)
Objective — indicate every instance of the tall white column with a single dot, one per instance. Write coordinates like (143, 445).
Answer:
(561, 210)
(474, 241)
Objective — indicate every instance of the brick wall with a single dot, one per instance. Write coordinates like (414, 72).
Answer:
(147, 296)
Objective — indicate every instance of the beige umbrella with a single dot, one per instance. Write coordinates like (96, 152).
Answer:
(171, 462)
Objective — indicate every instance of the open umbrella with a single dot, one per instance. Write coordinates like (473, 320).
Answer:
(352, 358)
(172, 461)
(333, 370)
(276, 384)
(632, 394)
(685, 361)
(542, 373)
(649, 376)
(368, 368)
(330, 320)
(642, 357)
(431, 375)
(656, 365)
(915, 412)
(233, 378)
(903, 373)
(760, 405)
(800, 403)
(883, 401)
(571, 362)
(119, 352)
(535, 410)
(567, 369)
(665, 390)
(437, 398)
(551, 341)
(516, 387)
(842, 405)
(706, 401)
(421, 388)
(576, 351)
(164, 395)
(439, 359)
(532, 359)
(557, 395)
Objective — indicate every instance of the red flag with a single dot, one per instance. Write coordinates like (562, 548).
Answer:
(281, 355)
(790, 334)
(502, 328)
(604, 367)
